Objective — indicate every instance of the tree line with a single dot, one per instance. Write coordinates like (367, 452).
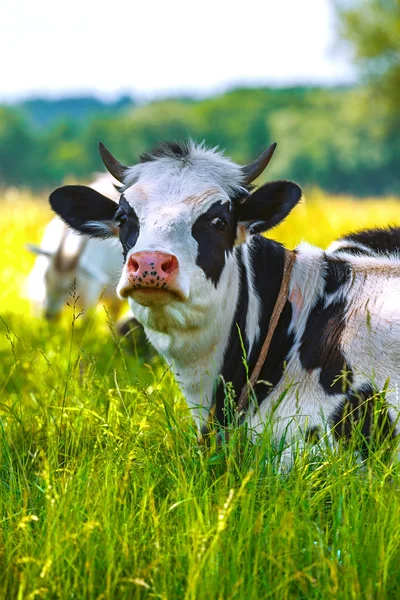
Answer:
(339, 139)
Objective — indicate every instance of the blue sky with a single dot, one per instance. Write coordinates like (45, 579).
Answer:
(154, 48)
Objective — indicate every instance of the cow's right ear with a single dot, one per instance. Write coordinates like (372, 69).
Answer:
(85, 210)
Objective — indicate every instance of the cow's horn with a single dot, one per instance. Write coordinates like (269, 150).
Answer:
(255, 168)
(117, 169)
(38, 250)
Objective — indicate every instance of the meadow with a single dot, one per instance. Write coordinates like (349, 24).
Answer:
(106, 494)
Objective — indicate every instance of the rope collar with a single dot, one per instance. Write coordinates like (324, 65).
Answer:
(242, 404)
(290, 257)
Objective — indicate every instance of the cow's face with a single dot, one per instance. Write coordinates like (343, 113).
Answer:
(180, 214)
(58, 288)
(177, 236)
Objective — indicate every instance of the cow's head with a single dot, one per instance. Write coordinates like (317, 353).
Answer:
(182, 210)
(58, 269)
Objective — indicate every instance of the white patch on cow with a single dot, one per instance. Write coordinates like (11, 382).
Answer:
(102, 228)
(370, 340)
(306, 284)
(254, 306)
(343, 246)
(305, 404)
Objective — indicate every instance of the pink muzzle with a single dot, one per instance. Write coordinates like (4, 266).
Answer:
(152, 270)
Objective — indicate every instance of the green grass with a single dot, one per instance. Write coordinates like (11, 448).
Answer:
(105, 492)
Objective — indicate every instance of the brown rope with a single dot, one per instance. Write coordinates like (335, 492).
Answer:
(290, 257)
(276, 313)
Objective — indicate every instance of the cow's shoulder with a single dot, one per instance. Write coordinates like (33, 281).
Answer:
(320, 344)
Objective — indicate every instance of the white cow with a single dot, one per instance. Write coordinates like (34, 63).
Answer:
(64, 256)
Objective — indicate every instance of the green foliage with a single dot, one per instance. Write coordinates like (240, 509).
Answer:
(337, 139)
(44, 113)
(16, 147)
(373, 29)
(105, 491)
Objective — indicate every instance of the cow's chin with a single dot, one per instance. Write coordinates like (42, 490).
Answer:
(151, 297)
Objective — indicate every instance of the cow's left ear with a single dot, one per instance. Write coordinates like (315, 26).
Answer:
(268, 205)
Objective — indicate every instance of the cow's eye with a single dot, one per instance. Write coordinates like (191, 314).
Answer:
(219, 223)
(121, 217)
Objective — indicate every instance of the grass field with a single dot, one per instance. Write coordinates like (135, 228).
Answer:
(106, 494)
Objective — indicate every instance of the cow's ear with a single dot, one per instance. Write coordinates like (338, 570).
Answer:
(268, 206)
(85, 210)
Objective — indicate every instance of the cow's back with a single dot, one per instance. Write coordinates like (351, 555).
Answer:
(371, 336)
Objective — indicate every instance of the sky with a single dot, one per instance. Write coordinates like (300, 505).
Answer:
(153, 48)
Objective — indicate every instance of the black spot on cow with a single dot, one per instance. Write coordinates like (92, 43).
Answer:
(214, 232)
(128, 225)
(338, 274)
(320, 346)
(312, 435)
(379, 240)
(365, 411)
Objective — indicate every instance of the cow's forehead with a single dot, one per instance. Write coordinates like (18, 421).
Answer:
(186, 181)
(165, 199)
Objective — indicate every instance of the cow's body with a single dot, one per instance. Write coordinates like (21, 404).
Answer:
(337, 344)
(64, 256)
(203, 284)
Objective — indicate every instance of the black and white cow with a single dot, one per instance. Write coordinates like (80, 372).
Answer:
(203, 282)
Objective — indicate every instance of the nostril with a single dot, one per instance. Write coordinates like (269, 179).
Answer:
(133, 265)
(169, 265)
(166, 265)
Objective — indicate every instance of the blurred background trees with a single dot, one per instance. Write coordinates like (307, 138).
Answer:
(342, 139)
(372, 28)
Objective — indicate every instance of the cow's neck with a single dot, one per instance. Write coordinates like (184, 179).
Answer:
(261, 264)
(194, 343)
